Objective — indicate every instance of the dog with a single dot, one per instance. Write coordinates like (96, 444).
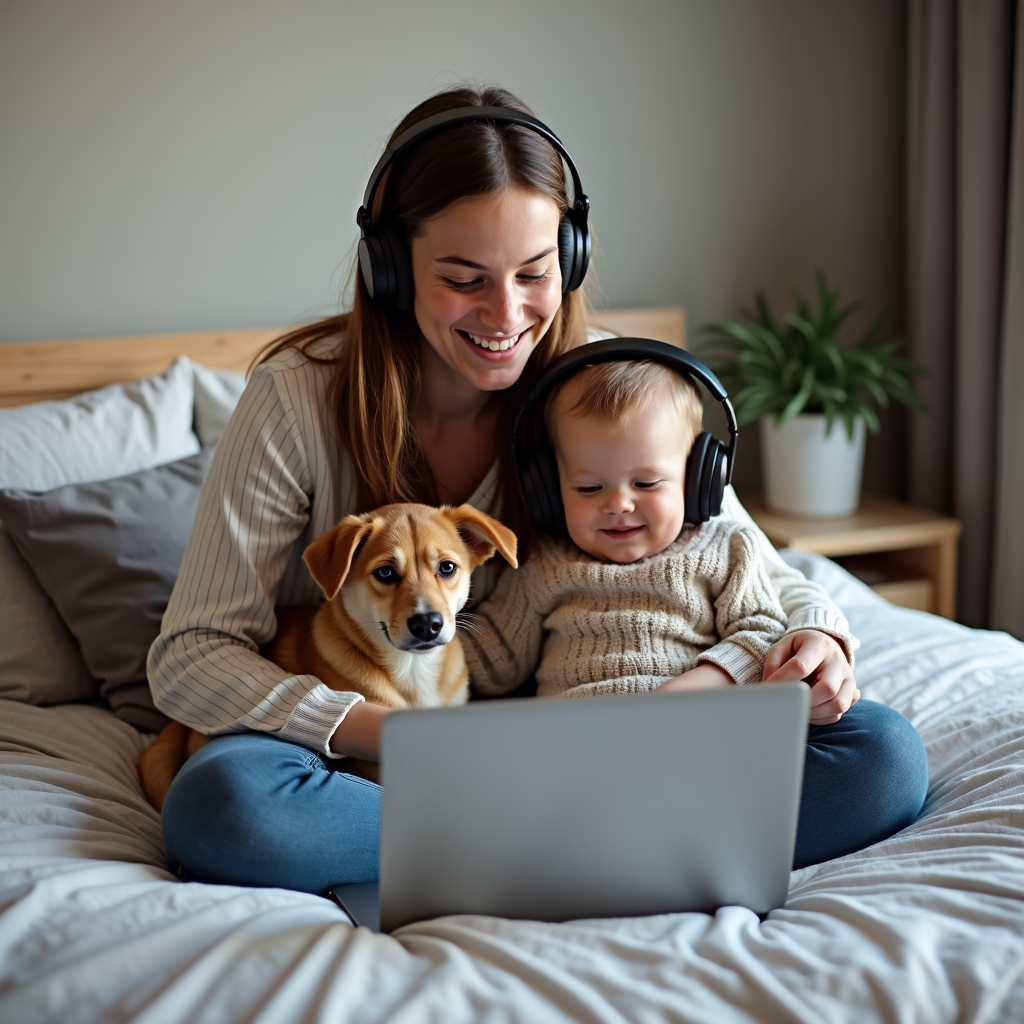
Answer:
(394, 580)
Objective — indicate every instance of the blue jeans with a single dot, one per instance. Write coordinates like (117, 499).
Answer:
(253, 810)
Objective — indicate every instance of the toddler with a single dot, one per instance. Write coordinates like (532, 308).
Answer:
(634, 600)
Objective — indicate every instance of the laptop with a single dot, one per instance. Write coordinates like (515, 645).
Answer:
(555, 810)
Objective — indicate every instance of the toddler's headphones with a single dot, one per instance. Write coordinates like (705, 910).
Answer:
(384, 259)
(708, 468)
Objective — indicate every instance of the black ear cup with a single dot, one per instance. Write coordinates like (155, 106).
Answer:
(538, 476)
(401, 261)
(566, 251)
(706, 475)
(719, 480)
(694, 471)
(367, 259)
(386, 267)
(573, 252)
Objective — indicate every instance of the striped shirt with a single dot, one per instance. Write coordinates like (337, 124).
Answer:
(277, 482)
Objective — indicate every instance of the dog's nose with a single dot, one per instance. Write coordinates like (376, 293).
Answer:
(426, 625)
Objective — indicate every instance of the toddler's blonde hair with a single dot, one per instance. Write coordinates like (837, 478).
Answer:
(619, 390)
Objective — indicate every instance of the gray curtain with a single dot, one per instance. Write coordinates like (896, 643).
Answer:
(965, 288)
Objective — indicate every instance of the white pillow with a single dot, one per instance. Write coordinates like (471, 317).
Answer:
(111, 432)
(217, 393)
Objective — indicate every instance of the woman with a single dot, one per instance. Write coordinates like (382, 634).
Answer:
(391, 404)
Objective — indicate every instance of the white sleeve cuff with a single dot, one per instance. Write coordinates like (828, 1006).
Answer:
(741, 665)
(318, 715)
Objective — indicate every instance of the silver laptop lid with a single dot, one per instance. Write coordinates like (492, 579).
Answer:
(604, 807)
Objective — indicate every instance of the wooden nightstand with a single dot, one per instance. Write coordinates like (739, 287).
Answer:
(906, 554)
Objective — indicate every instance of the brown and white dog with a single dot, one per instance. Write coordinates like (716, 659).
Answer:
(395, 579)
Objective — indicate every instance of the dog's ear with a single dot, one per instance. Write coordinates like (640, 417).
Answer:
(482, 534)
(329, 557)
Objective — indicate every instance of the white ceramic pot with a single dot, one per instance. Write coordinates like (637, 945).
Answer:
(807, 473)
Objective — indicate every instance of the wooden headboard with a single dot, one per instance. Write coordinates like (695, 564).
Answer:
(38, 370)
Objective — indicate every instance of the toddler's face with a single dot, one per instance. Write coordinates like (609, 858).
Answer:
(622, 483)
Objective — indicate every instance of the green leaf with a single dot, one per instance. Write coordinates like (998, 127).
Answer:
(877, 391)
(835, 357)
(849, 420)
(771, 342)
(831, 411)
(736, 331)
(796, 404)
(803, 325)
(758, 360)
(867, 414)
(869, 362)
(824, 392)
(802, 308)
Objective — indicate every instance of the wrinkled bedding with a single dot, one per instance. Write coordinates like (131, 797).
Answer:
(927, 926)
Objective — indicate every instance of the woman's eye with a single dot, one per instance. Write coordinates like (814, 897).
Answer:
(532, 278)
(446, 568)
(461, 286)
(386, 574)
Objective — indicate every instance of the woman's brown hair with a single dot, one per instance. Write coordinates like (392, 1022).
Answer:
(376, 378)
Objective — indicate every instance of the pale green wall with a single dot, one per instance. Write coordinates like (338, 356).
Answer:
(177, 165)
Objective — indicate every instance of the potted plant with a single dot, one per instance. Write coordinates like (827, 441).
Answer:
(813, 396)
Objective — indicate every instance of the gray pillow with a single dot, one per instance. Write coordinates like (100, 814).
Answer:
(40, 662)
(107, 555)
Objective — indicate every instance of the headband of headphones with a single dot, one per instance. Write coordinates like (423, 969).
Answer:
(467, 115)
(620, 349)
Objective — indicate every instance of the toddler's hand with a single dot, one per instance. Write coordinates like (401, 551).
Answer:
(815, 657)
(703, 677)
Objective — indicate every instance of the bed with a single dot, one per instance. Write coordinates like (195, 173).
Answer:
(94, 926)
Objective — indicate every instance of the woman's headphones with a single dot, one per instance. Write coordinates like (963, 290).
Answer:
(708, 468)
(384, 259)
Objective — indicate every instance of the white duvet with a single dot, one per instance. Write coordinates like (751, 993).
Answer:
(927, 926)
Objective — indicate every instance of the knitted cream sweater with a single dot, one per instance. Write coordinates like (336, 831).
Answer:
(587, 627)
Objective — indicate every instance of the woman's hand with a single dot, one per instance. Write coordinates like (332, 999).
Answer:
(703, 677)
(815, 657)
(358, 735)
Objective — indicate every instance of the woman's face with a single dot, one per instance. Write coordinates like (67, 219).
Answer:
(488, 283)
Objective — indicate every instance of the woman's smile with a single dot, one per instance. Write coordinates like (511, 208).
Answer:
(491, 347)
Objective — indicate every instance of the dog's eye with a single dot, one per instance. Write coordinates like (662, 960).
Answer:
(446, 568)
(386, 574)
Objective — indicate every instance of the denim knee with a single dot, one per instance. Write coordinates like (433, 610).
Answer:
(900, 762)
(254, 810)
(216, 812)
(865, 778)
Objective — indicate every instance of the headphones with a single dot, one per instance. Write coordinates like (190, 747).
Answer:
(708, 468)
(384, 260)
